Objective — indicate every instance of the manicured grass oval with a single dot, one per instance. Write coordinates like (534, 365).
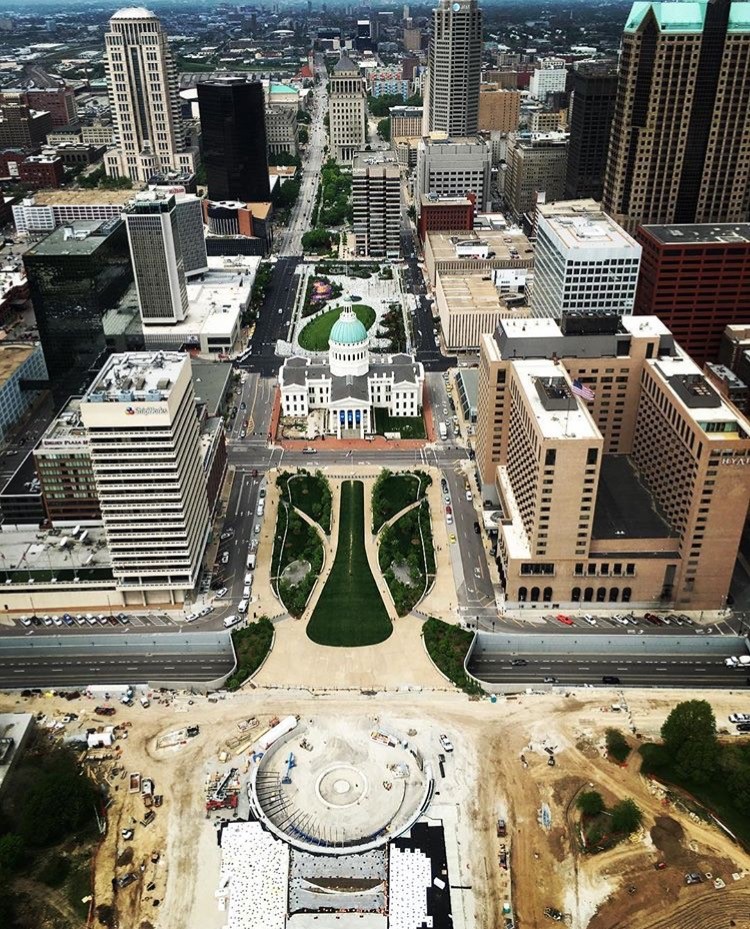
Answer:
(350, 610)
(314, 337)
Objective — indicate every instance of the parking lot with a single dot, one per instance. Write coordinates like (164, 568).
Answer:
(72, 623)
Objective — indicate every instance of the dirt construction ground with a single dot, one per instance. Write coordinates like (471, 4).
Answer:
(485, 778)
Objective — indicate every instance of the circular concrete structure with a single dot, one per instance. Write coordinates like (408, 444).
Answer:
(350, 785)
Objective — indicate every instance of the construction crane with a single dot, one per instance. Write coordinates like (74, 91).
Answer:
(290, 763)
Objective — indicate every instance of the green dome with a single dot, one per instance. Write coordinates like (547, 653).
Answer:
(347, 330)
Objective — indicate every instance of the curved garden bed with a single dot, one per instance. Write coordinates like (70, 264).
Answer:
(310, 493)
(392, 492)
(407, 557)
(296, 542)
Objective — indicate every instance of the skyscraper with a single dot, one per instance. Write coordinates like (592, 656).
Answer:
(455, 67)
(144, 439)
(233, 121)
(678, 151)
(144, 100)
(376, 199)
(156, 253)
(592, 105)
(347, 110)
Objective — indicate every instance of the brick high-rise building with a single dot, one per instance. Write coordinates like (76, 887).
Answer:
(498, 109)
(621, 474)
(678, 151)
(696, 279)
(59, 102)
(455, 66)
(593, 90)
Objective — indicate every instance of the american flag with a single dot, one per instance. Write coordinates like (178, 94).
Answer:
(582, 391)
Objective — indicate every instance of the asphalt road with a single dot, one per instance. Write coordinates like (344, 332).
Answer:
(88, 667)
(589, 669)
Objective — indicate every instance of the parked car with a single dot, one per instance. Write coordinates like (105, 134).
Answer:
(565, 620)
(224, 558)
(221, 592)
(308, 450)
(591, 620)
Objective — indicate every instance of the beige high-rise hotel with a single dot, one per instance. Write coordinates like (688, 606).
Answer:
(622, 475)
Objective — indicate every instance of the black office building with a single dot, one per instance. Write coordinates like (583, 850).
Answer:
(593, 87)
(76, 275)
(235, 153)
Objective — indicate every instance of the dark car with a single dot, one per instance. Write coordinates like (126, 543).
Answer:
(550, 680)
(743, 727)
(610, 679)
(476, 528)
(519, 662)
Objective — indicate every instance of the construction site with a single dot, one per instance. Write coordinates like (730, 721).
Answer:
(271, 808)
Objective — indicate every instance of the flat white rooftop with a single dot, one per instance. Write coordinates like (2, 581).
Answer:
(145, 375)
(574, 423)
(581, 223)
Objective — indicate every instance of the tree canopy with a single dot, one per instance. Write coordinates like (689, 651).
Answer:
(590, 803)
(626, 817)
(689, 735)
(384, 129)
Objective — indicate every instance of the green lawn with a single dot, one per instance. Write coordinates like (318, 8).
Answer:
(311, 493)
(350, 610)
(314, 337)
(716, 795)
(410, 427)
(392, 492)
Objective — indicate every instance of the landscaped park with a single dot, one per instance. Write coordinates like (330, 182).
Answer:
(315, 335)
(298, 549)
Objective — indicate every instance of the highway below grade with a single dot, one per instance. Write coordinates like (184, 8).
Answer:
(99, 659)
(646, 670)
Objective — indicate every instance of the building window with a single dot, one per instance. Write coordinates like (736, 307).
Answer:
(614, 594)
(522, 594)
(575, 594)
(588, 594)
(626, 593)
(547, 596)
(601, 594)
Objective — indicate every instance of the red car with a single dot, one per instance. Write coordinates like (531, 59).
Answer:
(565, 620)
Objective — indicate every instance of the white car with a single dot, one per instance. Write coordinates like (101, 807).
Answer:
(224, 558)
(256, 530)
(91, 619)
(469, 496)
(25, 621)
(739, 718)
(590, 619)
(57, 620)
(47, 620)
(445, 742)
(222, 592)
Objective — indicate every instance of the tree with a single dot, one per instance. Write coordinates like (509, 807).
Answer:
(626, 817)
(284, 158)
(414, 100)
(303, 136)
(317, 240)
(12, 852)
(380, 106)
(590, 803)
(384, 129)
(689, 735)
(617, 745)
(44, 817)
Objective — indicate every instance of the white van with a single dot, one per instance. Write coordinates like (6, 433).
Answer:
(261, 508)
(242, 606)
(246, 592)
(230, 621)
(251, 562)
(249, 579)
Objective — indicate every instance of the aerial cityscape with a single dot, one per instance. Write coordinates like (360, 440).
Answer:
(375, 465)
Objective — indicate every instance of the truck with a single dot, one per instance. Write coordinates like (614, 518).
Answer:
(443, 428)
(739, 661)
(127, 698)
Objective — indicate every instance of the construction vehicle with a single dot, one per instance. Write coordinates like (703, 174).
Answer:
(501, 829)
(229, 802)
(290, 763)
